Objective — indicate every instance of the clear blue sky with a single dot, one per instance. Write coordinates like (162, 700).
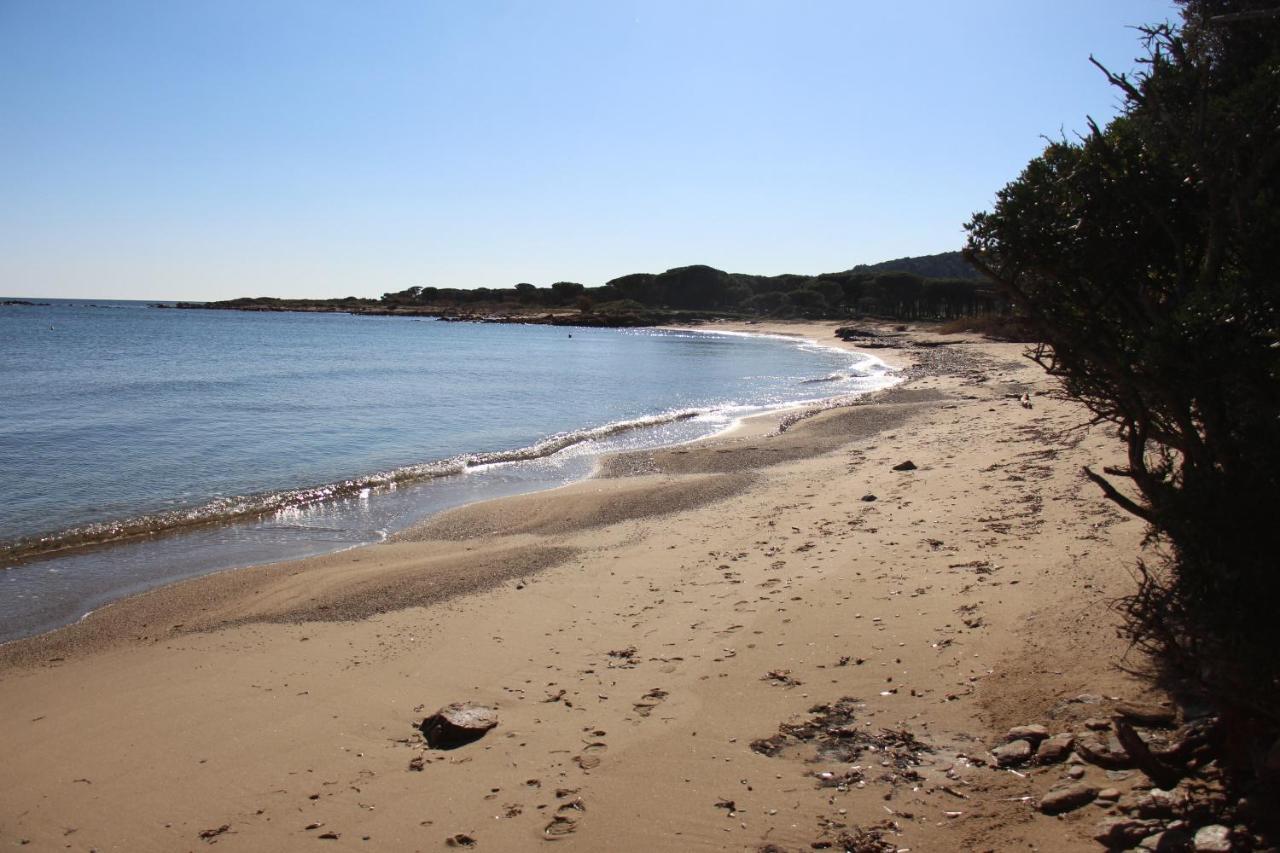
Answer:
(218, 148)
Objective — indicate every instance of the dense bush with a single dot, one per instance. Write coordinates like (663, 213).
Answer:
(764, 303)
(1146, 256)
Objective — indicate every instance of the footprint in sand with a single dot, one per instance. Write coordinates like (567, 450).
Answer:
(560, 826)
(649, 701)
(590, 756)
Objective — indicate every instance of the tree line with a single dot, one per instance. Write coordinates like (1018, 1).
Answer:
(903, 294)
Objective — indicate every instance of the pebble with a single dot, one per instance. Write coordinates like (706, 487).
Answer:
(1123, 832)
(1014, 752)
(1170, 839)
(1213, 839)
(1066, 799)
(1054, 749)
(1160, 803)
(1105, 752)
(1034, 733)
(458, 724)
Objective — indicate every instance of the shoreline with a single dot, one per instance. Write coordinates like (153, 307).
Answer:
(168, 528)
(637, 632)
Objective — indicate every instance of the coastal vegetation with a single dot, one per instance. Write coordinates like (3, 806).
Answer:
(932, 287)
(1144, 255)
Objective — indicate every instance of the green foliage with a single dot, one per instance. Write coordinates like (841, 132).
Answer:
(764, 303)
(1145, 256)
(619, 306)
(810, 302)
(943, 265)
(566, 292)
(638, 287)
(895, 294)
(526, 294)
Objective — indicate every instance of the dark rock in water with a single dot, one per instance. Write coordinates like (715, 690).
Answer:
(457, 725)
(1055, 749)
(905, 466)
(1014, 752)
(1121, 833)
(1065, 799)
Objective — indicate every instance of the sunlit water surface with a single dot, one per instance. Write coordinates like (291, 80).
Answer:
(330, 430)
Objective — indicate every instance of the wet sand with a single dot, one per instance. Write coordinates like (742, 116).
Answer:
(636, 632)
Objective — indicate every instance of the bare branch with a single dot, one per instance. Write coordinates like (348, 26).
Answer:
(1127, 504)
(1120, 81)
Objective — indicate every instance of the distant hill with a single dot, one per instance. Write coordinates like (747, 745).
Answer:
(941, 265)
(932, 287)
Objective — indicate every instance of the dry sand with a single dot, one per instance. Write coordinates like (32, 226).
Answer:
(636, 632)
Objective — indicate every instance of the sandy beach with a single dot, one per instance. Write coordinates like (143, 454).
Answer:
(642, 635)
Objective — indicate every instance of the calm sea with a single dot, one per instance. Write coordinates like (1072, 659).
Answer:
(229, 439)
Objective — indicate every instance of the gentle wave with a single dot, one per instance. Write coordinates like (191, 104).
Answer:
(286, 502)
(242, 507)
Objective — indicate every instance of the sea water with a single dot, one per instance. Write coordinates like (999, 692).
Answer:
(141, 445)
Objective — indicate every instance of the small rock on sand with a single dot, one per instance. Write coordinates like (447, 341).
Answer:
(1014, 752)
(1147, 715)
(458, 724)
(1065, 799)
(1161, 803)
(1169, 840)
(1106, 753)
(1054, 749)
(1034, 733)
(1213, 839)
(905, 466)
(1124, 832)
